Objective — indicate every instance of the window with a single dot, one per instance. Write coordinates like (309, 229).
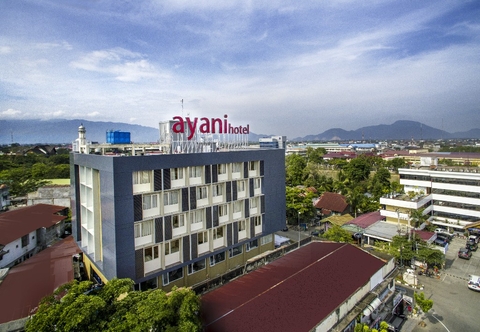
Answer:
(218, 233)
(252, 244)
(241, 225)
(202, 237)
(253, 202)
(143, 228)
(202, 192)
(223, 210)
(237, 206)
(197, 216)
(217, 258)
(237, 167)
(217, 190)
(176, 173)
(172, 276)
(257, 220)
(252, 165)
(266, 239)
(150, 253)
(222, 169)
(196, 171)
(150, 201)
(146, 285)
(142, 177)
(240, 186)
(197, 266)
(235, 251)
(25, 240)
(172, 247)
(170, 198)
(257, 183)
(178, 220)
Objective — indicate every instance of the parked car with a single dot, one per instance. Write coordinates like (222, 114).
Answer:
(474, 238)
(444, 236)
(440, 230)
(440, 242)
(471, 245)
(474, 283)
(464, 253)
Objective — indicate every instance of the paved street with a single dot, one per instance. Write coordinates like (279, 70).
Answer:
(455, 307)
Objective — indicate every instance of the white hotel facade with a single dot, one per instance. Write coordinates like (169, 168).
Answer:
(449, 195)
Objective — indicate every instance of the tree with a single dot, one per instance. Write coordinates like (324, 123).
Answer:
(417, 217)
(424, 304)
(396, 163)
(21, 181)
(358, 169)
(380, 183)
(338, 234)
(294, 170)
(299, 201)
(116, 307)
(315, 155)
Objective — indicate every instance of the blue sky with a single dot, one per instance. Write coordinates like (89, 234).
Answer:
(283, 67)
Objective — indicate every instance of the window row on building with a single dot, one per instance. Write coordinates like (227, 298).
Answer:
(204, 264)
(164, 179)
(158, 246)
(239, 195)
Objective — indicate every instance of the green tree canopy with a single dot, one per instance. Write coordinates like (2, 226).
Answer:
(294, 170)
(299, 202)
(338, 234)
(315, 155)
(424, 304)
(116, 307)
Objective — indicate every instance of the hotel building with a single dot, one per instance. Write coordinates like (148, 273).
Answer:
(449, 195)
(178, 216)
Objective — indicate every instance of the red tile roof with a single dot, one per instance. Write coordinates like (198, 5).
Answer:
(16, 223)
(424, 235)
(28, 282)
(366, 219)
(293, 293)
(332, 201)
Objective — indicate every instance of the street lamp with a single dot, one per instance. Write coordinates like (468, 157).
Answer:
(298, 222)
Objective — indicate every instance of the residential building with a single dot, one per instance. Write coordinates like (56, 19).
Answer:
(22, 287)
(190, 212)
(450, 196)
(28, 230)
(330, 204)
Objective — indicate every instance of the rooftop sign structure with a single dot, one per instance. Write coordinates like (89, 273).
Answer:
(194, 135)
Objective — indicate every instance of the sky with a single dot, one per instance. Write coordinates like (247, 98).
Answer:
(283, 67)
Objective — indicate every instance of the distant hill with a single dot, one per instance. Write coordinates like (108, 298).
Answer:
(398, 130)
(66, 131)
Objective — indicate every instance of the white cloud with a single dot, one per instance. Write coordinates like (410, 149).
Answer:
(5, 49)
(11, 113)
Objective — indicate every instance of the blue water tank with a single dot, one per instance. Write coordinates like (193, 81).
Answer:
(118, 137)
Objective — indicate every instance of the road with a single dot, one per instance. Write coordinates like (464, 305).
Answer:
(455, 307)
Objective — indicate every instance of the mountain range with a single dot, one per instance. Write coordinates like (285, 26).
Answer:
(66, 131)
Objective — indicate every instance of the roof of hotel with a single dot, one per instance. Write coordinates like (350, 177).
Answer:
(19, 222)
(28, 282)
(293, 293)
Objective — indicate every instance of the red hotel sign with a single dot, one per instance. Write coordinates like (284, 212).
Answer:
(207, 126)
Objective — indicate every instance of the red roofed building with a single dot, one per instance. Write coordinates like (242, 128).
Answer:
(28, 282)
(332, 204)
(315, 288)
(27, 230)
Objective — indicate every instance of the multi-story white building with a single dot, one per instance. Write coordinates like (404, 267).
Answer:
(449, 195)
(175, 217)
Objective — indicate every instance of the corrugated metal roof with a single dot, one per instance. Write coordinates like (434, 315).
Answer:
(367, 219)
(16, 223)
(28, 282)
(293, 293)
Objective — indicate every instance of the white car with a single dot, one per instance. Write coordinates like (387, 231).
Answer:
(474, 283)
